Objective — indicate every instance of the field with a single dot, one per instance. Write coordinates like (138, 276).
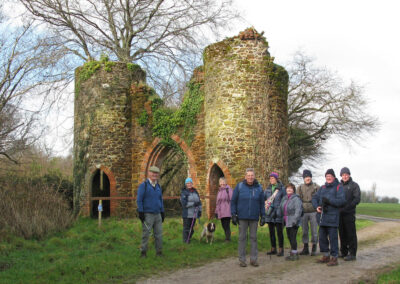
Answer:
(386, 210)
(86, 253)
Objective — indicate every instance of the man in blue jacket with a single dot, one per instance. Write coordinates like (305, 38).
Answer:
(327, 201)
(151, 210)
(247, 207)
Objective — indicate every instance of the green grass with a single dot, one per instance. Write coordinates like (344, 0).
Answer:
(390, 277)
(88, 254)
(386, 210)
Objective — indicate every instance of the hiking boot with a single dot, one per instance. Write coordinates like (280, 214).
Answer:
(314, 249)
(280, 253)
(333, 262)
(350, 257)
(272, 251)
(242, 264)
(305, 250)
(324, 259)
(143, 254)
(159, 253)
(292, 256)
(254, 263)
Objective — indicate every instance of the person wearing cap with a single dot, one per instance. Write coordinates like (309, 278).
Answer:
(151, 210)
(306, 192)
(273, 216)
(247, 209)
(327, 201)
(347, 220)
(191, 209)
(291, 208)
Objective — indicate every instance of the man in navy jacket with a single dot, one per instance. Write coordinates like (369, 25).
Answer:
(247, 207)
(347, 222)
(151, 210)
(327, 201)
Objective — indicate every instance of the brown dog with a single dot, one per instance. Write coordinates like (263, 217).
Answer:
(208, 232)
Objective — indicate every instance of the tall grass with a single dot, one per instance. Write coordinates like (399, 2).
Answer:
(32, 211)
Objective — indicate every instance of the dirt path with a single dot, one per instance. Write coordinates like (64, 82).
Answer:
(379, 246)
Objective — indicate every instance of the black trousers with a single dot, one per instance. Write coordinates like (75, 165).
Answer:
(226, 225)
(279, 231)
(348, 234)
(187, 223)
(292, 234)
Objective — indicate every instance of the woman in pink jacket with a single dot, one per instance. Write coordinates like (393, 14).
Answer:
(223, 208)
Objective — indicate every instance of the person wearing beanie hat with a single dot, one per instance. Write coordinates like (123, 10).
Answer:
(275, 192)
(191, 209)
(306, 192)
(327, 201)
(151, 210)
(307, 173)
(347, 219)
(330, 172)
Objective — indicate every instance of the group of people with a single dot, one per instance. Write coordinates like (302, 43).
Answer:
(324, 210)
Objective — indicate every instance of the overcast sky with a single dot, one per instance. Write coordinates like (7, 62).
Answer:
(359, 40)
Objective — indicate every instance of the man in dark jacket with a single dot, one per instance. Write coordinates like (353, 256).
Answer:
(306, 192)
(247, 207)
(151, 210)
(347, 221)
(327, 201)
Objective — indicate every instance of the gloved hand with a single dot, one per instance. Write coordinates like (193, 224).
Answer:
(141, 216)
(216, 216)
(325, 200)
(162, 217)
(262, 221)
(235, 220)
(197, 204)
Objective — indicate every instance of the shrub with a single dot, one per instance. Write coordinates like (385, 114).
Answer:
(33, 210)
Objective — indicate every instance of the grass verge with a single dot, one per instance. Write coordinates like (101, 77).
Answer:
(86, 253)
(385, 210)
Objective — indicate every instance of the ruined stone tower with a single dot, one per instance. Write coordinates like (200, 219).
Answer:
(245, 109)
(242, 122)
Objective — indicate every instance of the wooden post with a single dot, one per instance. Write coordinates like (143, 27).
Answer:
(100, 208)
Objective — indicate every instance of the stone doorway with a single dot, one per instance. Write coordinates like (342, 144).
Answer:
(213, 182)
(100, 187)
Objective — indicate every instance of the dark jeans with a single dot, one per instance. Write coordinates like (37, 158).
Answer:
(279, 231)
(187, 223)
(332, 242)
(292, 234)
(225, 222)
(348, 234)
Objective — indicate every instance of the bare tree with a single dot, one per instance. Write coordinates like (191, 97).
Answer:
(163, 36)
(322, 105)
(29, 78)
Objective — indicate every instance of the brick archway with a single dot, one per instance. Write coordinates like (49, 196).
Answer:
(155, 152)
(113, 188)
(209, 190)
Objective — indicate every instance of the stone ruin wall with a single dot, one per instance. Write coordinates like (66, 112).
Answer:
(103, 131)
(243, 122)
(243, 109)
